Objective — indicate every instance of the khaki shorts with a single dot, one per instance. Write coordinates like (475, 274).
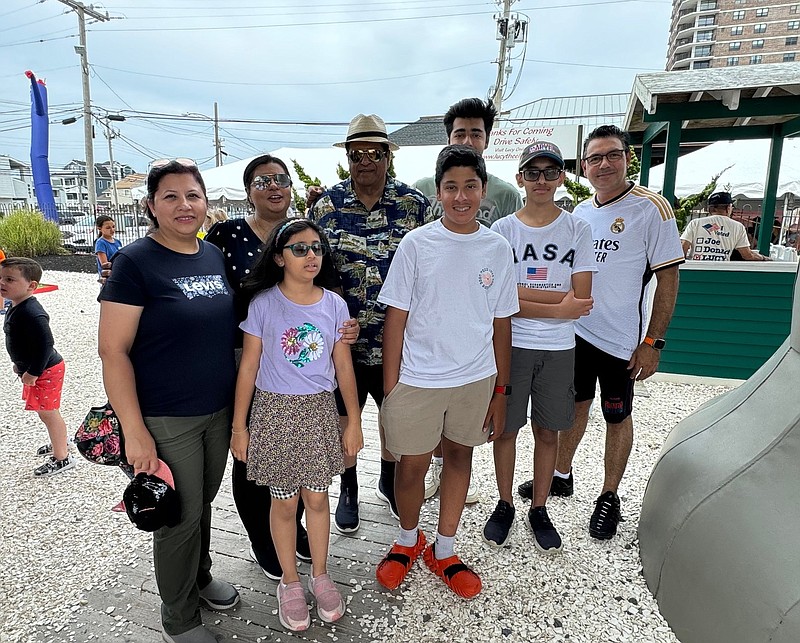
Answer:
(415, 419)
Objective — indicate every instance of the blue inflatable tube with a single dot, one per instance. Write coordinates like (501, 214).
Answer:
(39, 149)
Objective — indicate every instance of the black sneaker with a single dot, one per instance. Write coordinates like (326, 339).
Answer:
(606, 517)
(302, 548)
(45, 449)
(269, 564)
(387, 495)
(498, 528)
(545, 535)
(52, 466)
(346, 518)
(563, 487)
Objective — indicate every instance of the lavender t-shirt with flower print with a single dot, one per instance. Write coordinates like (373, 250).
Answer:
(296, 341)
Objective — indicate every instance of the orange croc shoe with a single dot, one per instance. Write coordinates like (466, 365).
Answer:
(455, 574)
(392, 570)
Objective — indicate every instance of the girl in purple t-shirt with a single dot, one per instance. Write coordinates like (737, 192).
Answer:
(291, 361)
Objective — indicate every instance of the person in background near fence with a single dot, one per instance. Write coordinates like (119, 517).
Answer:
(292, 360)
(106, 245)
(37, 363)
(214, 215)
(715, 237)
(166, 296)
(269, 193)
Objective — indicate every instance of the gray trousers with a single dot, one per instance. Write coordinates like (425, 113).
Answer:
(196, 451)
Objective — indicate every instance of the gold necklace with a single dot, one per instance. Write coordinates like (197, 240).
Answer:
(257, 225)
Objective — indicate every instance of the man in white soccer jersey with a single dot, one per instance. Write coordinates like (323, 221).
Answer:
(635, 237)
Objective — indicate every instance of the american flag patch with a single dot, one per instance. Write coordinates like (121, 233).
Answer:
(537, 274)
(711, 227)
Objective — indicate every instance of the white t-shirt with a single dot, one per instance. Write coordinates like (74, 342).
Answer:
(635, 235)
(714, 238)
(545, 258)
(453, 287)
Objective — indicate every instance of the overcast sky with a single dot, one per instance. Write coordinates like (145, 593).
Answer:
(301, 61)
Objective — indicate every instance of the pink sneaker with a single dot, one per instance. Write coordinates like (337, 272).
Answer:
(292, 607)
(330, 605)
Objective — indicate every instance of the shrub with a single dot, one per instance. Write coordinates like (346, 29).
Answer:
(26, 233)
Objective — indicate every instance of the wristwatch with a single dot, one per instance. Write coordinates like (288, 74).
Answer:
(503, 390)
(658, 344)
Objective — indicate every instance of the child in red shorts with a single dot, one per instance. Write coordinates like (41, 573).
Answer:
(36, 361)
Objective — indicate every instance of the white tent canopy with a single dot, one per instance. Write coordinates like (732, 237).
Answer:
(747, 175)
(410, 163)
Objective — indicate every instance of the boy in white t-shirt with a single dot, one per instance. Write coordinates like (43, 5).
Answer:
(554, 261)
(450, 292)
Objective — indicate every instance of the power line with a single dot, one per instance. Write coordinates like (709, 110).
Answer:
(561, 62)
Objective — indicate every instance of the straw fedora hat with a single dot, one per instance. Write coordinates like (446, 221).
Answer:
(368, 128)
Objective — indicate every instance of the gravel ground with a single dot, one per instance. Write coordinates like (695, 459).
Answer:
(59, 540)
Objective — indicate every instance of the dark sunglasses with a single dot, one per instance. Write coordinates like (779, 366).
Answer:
(154, 165)
(533, 174)
(263, 181)
(376, 156)
(300, 249)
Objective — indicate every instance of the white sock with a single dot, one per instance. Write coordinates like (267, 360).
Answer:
(408, 537)
(438, 460)
(558, 474)
(445, 546)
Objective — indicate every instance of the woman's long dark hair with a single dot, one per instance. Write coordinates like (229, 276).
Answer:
(266, 273)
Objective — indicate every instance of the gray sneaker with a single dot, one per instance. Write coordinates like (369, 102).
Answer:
(52, 466)
(219, 595)
(197, 634)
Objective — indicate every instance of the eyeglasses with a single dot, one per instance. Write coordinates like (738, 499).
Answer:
(533, 174)
(376, 156)
(263, 181)
(300, 249)
(613, 157)
(154, 165)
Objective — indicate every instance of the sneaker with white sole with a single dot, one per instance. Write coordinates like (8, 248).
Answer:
(219, 595)
(45, 449)
(271, 566)
(473, 495)
(197, 634)
(330, 604)
(497, 530)
(292, 607)
(52, 466)
(432, 479)
(545, 535)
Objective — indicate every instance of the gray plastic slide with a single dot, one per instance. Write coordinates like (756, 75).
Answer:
(719, 532)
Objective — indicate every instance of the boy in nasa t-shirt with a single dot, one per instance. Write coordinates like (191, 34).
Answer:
(554, 262)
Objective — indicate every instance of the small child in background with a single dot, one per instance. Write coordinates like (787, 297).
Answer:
(106, 245)
(36, 361)
(6, 302)
(292, 359)
(213, 216)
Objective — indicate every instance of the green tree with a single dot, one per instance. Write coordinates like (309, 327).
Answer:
(634, 167)
(689, 203)
(341, 172)
(577, 191)
(304, 177)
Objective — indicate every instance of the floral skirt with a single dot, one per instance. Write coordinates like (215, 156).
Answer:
(294, 440)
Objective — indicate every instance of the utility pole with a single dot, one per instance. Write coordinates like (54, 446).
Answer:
(110, 135)
(217, 141)
(511, 29)
(82, 11)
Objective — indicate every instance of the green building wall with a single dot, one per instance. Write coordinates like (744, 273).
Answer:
(729, 318)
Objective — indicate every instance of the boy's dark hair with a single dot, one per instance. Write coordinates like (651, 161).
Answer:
(607, 131)
(265, 273)
(99, 221)
(154, 179)
(471, 108)
(459, 156)
(28, 268)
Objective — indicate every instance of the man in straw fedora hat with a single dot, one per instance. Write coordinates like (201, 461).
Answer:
(364, 218)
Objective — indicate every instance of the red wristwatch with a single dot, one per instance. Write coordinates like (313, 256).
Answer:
(503, 390)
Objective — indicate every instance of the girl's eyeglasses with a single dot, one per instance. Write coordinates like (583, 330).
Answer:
(263, 181)
(154, 165)
(376, 156)
(301, 249)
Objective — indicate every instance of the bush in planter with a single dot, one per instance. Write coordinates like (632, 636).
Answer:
(26, 233)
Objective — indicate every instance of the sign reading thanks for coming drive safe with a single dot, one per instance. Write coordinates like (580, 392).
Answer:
(509, 139)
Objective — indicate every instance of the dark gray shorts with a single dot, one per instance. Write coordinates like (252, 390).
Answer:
(546, 379)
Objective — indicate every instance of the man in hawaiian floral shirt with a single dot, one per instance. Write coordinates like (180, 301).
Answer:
(364, 218)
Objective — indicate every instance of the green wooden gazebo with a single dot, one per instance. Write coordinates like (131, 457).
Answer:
(720, 104)
(730, 317)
